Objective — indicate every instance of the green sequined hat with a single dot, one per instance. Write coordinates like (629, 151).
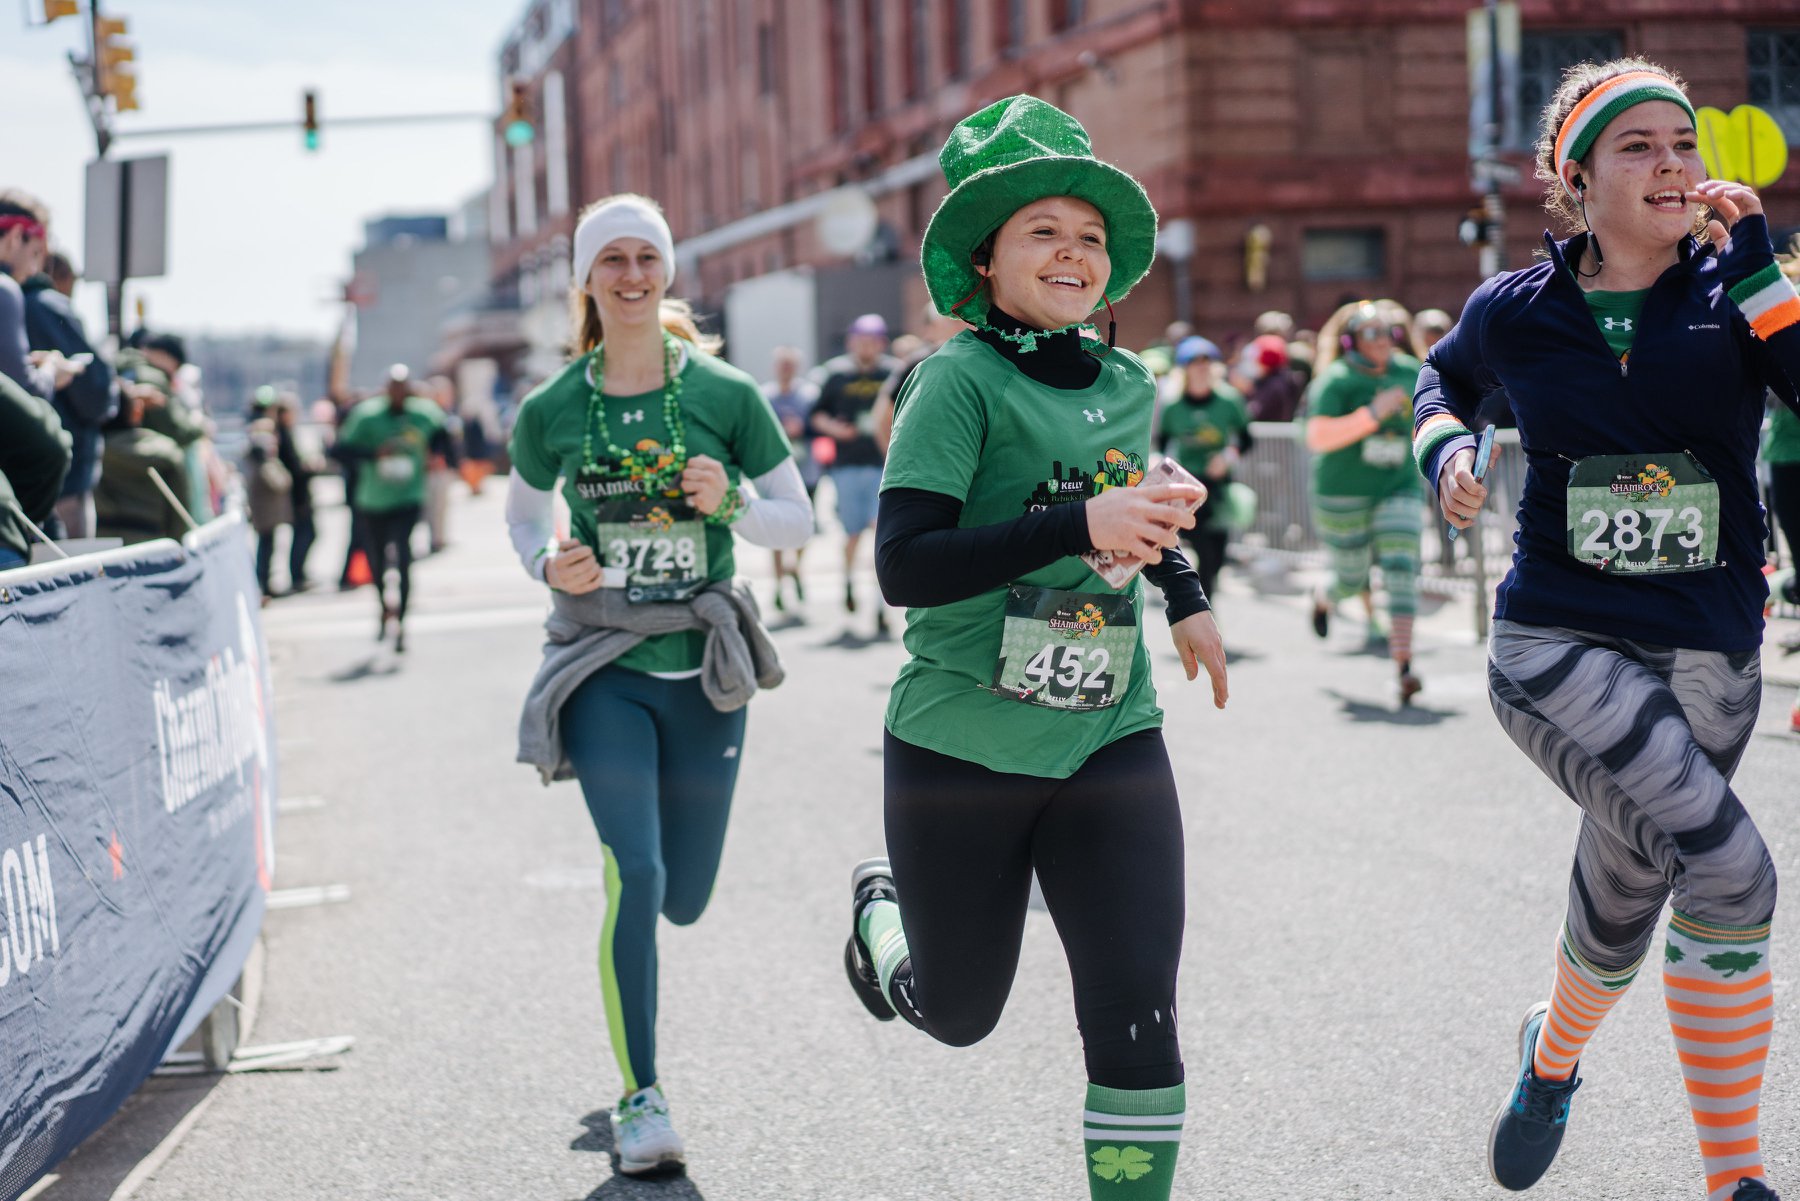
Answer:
(1002, 158)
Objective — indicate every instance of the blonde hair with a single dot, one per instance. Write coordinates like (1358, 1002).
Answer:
(1577, 82)
(1329, 346)
(584, 314)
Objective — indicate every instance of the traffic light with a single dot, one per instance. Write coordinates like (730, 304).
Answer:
(112, 55)
(61, 8)
(309, 119)
(519, 129)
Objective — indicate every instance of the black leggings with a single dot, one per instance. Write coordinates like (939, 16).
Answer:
(394, 528)
(1107, 847)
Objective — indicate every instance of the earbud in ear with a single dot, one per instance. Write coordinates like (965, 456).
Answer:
(1580, 183)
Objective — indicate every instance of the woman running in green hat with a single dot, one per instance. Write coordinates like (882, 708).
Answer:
(1023, 734)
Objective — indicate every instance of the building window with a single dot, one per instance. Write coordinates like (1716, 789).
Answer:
(1774, 61)
(837, 54)
(872, 58)
(956, 38)
(1009, 26)
(918, 18)
(1342, 254)
(765, 59)
(1067, 14)
(1543, 57)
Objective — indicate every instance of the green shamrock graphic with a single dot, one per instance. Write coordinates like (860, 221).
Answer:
(1110, 1163)
(1730, 963)
(1673, 953)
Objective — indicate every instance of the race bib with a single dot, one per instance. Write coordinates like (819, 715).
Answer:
(1066, 650)
(659, 545)
(396, 469)
(1642, 514)
(1384, 450)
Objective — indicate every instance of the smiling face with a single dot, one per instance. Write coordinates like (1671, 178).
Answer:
(627, 283)
(1642, 163)
(1049, 265)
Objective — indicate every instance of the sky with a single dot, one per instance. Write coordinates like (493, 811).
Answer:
(261, 232)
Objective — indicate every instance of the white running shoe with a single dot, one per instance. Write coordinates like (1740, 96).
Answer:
(643, 1137)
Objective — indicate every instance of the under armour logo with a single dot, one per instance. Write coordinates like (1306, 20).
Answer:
(1094, 415)
(1623, 323)
(628, 418)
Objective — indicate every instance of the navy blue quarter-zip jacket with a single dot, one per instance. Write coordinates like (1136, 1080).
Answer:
(1694, 381)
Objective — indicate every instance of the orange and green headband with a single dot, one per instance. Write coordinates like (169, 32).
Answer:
(1595, 111)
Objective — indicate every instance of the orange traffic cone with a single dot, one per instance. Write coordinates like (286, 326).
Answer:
(359, 573)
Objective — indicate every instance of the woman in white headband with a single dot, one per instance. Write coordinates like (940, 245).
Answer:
(1624, 659)
(653, 651)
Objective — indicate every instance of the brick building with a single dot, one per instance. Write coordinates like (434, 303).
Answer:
(1325, 142)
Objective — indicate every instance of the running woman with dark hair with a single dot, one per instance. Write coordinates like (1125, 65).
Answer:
(1023, 734)
(1624, 656)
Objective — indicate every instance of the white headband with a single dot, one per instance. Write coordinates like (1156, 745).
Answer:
(623, 218)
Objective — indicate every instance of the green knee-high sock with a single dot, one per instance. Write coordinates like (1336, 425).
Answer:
(1132, 1136)
(879, 925)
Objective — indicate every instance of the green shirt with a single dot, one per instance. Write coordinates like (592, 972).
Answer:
(1616, 313)
(727, 418)
(1783, 442)
(1195, 432)
(399, 442)
(973, 427)
(1381, 464)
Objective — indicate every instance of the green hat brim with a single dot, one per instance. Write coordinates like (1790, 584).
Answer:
(982, 203)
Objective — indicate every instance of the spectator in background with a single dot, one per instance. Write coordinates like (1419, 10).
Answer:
(1428, 327)
(24, 241)
(127, 502)
(444, 461)
(151, 365)
(1160, 356)
(268, 485)
(34, 455)
(792, 397)
(1205, 428)
(935, 329)
(1263, 376)
(61, 273)
(87, 402)
(845, 413)
(302, 465)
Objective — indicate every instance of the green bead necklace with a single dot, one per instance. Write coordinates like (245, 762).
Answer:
(657, 480)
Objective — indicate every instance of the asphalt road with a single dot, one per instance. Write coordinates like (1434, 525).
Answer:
(1372, 900)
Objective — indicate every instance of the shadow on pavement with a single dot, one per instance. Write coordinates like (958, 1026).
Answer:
(598, 1139)
(1411, 715)
(367, 669)
(100, 1165)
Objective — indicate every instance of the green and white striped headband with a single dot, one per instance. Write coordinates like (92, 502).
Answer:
(1596, 110)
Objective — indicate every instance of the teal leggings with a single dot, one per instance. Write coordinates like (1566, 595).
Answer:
(1358, 529)
(657, 765)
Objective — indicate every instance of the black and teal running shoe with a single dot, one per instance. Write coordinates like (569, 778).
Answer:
(1751, 1189)
(1528, 1130)
(872, 880)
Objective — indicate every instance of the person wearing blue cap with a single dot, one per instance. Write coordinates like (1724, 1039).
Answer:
(1206, 428)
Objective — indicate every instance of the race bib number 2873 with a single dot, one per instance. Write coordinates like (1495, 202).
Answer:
(1643, 514)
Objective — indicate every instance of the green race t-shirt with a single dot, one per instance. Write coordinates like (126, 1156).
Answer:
(1197, 432)
(972, 426)
(1381, 464)
(1616, 313)
(1783, 442)
(395, 477)
(727, 418)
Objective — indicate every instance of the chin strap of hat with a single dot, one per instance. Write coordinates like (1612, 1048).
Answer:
(965, 300)
(1112, 323)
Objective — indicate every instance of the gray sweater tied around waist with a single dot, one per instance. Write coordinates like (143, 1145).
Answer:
(584, 633)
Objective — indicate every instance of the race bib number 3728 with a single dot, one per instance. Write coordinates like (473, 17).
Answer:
(1643, 514)
(1066, 650)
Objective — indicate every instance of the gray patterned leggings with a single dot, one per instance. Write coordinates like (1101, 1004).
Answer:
(1645, 739)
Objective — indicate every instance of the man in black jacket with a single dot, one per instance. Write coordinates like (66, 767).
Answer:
(86, 403)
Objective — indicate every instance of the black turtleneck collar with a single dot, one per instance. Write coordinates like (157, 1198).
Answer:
(1060, 360)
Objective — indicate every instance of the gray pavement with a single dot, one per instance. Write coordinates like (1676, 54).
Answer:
(1372, 899)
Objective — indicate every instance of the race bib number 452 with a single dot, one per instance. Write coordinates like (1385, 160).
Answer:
(1643, 514)
(1066, 650)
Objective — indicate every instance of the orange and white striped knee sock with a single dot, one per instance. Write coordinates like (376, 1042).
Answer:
(1721, 1003)
(1583, 995)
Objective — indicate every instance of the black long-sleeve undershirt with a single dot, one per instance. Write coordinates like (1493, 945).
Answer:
(923, 559)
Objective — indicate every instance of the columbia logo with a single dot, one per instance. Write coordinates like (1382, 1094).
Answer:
(1622, 323)
(628, 418)
(1705, 325)
(1094, 415)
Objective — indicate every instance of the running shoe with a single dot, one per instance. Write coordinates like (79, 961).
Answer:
(1749, 1188)
(1528, 1130)
(1410, 685)
(849, 598)
(1321, 616)
(872, 880)
(399, 637)
(643, 1137)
